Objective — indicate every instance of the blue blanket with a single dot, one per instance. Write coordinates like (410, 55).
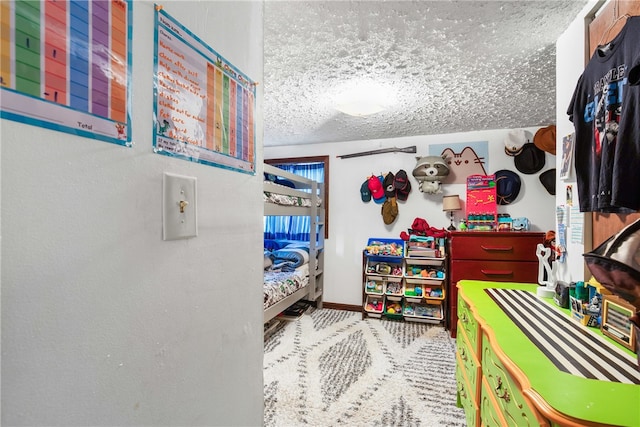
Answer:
(288, 259)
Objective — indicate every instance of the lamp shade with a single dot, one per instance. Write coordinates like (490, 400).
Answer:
(451, 203)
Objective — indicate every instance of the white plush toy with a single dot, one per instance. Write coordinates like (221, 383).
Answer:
(429, 172)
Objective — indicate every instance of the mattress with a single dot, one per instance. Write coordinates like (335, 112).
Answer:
(280, 284)
(286, 200)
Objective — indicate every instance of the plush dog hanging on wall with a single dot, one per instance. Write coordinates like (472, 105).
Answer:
(429, 172)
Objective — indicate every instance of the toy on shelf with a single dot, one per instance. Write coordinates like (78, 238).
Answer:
(394, 288)
(374, 305)
(381, 248)
(433, 292)
(374, 287)
(425, 272)
(394, 308)
(482, 207)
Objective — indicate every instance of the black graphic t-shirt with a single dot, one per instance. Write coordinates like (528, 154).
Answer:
(605, 111)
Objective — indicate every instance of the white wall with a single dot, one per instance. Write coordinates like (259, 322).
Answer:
(352, 222)
(103, 322)
(570, 61)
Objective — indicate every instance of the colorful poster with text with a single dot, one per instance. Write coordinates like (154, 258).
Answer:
(65, 65)
(204, 106)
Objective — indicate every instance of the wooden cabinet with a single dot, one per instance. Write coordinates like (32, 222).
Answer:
(494, 256)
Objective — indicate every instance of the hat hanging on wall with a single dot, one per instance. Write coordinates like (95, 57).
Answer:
(365, 193)
(548, 180)
(515, 140)
(402, 185)
(389, 188)
(377, 191)
(530, 160)
(615, 263)
(508, 186)
(389, 210)
(545, 139)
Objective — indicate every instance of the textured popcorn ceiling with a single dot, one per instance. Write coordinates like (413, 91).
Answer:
(453, 66)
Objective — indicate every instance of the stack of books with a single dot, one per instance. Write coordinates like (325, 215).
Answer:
(431, 248)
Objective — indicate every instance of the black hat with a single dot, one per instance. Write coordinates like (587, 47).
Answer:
(365, 193)
(389, 188)
(507, 186)
(530, 160)
(402, 184)
(548, 179)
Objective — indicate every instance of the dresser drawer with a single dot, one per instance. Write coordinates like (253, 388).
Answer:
(466, 399)
(468, 359)
(495, 271)
(498, 246)
(489, 412)
(509, 400)
(469, 324)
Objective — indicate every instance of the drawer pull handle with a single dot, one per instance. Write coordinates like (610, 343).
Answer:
(497, 272)
(505, 395)
(497, 248)
(463, 394)
(463, 355)
(463, 318)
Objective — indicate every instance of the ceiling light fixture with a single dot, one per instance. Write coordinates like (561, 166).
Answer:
(363, 98)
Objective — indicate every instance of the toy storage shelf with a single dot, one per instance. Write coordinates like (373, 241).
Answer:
(400, 282)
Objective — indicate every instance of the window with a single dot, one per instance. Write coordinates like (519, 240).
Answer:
(297, 228)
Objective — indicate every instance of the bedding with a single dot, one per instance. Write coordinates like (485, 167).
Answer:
(287, 262)
(286, 255)
(286, 200)
(280, 284)
(287, 259)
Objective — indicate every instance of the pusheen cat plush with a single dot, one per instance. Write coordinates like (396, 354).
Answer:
(429, 172)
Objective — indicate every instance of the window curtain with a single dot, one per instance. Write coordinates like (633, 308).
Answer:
(293, 227)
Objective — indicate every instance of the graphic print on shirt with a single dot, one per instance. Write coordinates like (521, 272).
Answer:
(606, 108)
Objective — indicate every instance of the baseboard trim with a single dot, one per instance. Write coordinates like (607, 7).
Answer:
(338, 306)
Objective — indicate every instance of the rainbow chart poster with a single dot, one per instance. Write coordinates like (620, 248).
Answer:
(65, 65)
(203, 106)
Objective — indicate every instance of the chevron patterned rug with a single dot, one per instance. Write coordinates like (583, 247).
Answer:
(330, 367)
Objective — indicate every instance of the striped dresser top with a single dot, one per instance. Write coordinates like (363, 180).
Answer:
(570, 346)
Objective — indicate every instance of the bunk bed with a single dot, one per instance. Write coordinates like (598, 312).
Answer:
(304, 277)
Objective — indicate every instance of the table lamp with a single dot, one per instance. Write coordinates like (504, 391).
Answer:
(451, 204)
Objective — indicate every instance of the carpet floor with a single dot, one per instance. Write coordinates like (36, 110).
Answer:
(330, 367)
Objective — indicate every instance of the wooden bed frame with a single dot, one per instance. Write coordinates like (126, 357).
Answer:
(313, 291)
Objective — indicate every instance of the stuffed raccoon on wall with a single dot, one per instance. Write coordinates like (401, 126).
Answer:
(429, 172)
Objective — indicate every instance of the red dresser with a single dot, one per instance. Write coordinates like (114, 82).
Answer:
(508, 256)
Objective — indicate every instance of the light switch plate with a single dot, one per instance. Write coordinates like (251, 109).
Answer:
(179, 207)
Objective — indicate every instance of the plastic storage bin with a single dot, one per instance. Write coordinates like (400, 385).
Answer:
(394, 288)
(383, 266)
(425, 269)
(434, 292)
(393, 309)
(423, 312)
(374, 305)
(374, 286)
(413, 290)
(385, 247)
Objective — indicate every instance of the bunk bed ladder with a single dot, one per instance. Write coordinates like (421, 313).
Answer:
(316, 247)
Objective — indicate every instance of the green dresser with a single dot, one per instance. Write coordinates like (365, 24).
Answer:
(505, 379)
